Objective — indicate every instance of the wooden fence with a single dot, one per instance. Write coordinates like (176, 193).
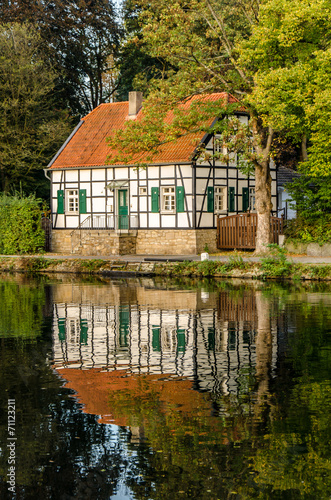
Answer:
(239, 231)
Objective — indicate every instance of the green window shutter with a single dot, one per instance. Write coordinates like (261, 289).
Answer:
(155, 199)
(231, 199)
(156, 343)
(62, 329)
(210, 199)
(245, 199)
(82, 201)
(60, 201)
(180, 199)
(83, 331)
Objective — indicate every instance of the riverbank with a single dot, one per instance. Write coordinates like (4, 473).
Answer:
(275, 266)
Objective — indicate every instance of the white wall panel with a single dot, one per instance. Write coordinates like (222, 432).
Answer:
(153, 172)
(143, 203)
(167, 171)
(71, 175)
(99, 205)
(143, 220)
(122, 173)
(182, 220)
(207, 219)
(153, 220)
(98, 189)
(142, 173)
(133, 204)
(56, 175)
(133, 173)
(98, 174)
(168, 221)
(85, 175)
(73, 220)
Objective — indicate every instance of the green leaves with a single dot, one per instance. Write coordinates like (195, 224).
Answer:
(20, 229)
(31, 127)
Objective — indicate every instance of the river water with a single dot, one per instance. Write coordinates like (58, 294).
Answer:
(164, 389)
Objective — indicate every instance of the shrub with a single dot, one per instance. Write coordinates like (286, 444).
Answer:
(20, 229)
(276, 264)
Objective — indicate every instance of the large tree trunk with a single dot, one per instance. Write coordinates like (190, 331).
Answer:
(263, 202)
(263, 206)
(263, 344)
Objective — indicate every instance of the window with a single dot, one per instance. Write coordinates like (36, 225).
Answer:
(220, 199)
(252, 198)
(72, 202)
(219, 146)
(168, 199)
(142, 191)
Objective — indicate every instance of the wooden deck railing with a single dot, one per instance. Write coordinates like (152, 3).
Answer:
(239, 231)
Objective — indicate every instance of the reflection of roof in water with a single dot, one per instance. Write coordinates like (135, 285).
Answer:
(96, 388)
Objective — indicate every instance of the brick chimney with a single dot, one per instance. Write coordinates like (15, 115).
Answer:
(135, 103)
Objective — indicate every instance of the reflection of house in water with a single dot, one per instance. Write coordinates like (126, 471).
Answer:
(208, 338)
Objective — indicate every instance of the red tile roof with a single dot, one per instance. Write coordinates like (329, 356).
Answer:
(87, 146)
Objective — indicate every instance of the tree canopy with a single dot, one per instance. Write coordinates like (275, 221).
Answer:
(80, 40)
(31, 126)
(274, 58)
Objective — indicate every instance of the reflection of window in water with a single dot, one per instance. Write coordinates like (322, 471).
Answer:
(73, 331)
(232, 336)
(124, 324)
(168, 339)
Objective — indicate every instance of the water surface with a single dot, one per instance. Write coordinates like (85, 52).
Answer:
(144, 389)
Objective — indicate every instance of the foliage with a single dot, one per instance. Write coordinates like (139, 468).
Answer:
(21, 309)
(20, 229)
(276, 264)
(135, 66)
(288, 56)
(203, 46)
(80, 40)
(31, 126)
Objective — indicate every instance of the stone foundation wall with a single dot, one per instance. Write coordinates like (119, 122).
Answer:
(206, 238)
(144, 242)
(175, 241)
(61, 241)
(93, 242)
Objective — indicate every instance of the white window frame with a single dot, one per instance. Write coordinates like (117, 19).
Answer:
(168, 200)
(251, 204)
(72, 201)
(143, 191)
(219, 147)
(220, 196)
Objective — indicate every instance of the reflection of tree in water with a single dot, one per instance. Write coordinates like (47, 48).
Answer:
(269, 438)
(61, 452)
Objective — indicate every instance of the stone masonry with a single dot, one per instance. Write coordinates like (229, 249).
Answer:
(143, 242)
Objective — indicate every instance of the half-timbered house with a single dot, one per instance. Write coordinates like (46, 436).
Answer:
(170, 206)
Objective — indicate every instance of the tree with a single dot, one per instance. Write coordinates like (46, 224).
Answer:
(201, 39)
(136, 67)
(80, 40)
(272, 57)
(31, 127)
(288, 56)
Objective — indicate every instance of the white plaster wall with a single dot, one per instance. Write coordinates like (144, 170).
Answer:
(85, 175)
(71, 175)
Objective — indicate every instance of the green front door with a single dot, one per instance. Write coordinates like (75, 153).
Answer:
(123, 219)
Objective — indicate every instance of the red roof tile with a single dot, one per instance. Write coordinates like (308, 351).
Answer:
(88, 147)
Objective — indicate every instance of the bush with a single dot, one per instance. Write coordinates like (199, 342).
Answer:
(20, 229)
